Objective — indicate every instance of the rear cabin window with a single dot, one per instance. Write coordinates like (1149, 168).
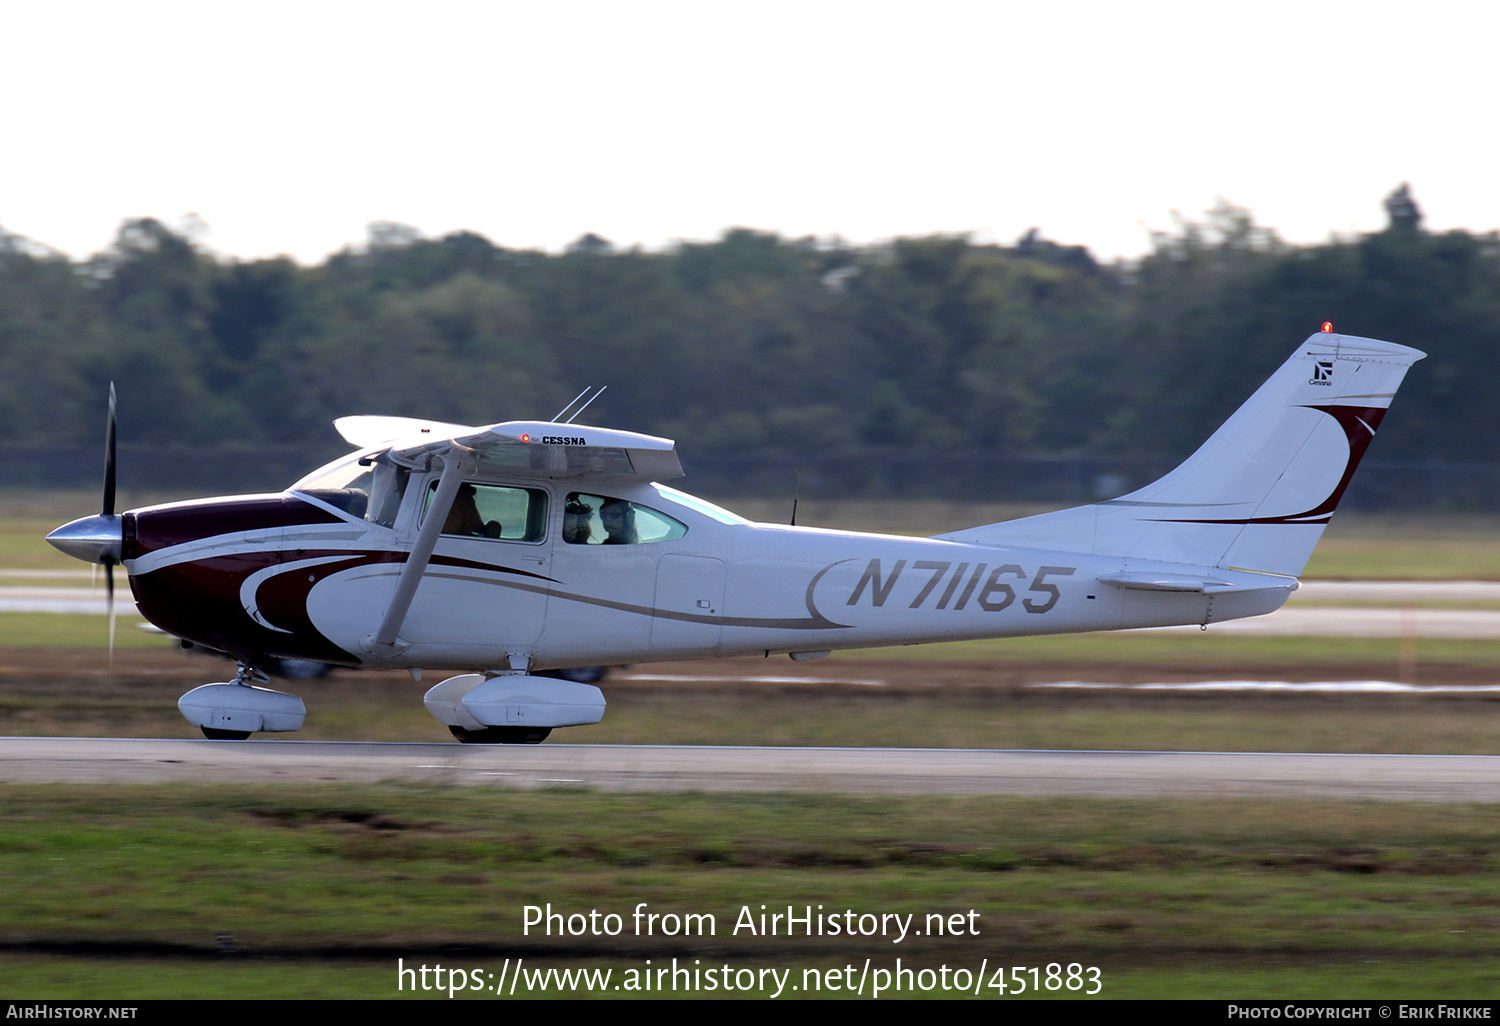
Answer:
(603, 520)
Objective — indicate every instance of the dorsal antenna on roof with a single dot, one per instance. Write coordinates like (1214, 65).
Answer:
(572, 416)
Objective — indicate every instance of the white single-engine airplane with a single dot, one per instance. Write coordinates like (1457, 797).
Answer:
(518, 548)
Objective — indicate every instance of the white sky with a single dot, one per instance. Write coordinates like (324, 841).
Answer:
(289, 126)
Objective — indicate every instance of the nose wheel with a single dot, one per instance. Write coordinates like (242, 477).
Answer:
(234, 710)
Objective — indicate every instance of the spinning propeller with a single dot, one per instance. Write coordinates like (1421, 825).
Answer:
(98, 539)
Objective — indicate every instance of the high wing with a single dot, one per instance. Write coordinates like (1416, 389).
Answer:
(369, 432)
(519, 447)
(526, 447)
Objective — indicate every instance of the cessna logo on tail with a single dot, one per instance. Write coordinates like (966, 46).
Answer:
(1322, 374)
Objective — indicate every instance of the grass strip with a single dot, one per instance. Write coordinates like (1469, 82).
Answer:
(134, 891)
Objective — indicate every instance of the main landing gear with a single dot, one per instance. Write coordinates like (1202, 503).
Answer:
(511, 708)
(234, 710)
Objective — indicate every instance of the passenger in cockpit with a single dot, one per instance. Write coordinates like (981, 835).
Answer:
(619, 523)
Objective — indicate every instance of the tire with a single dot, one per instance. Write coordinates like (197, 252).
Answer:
(297, 669)
(215, 734)
(578, 674)
(501, 735)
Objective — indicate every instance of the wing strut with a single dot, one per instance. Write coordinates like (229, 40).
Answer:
(456, 462)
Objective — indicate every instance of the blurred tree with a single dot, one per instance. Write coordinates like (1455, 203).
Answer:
(50, 339)
(749, 342)
(761, 334)
(1403, 211)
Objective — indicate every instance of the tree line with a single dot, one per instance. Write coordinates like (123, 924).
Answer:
(751, 343)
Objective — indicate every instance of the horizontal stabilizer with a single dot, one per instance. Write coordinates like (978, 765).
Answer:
(1202, 583)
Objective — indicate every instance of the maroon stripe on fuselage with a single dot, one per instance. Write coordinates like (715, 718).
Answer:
(165, 526)
(200, 600)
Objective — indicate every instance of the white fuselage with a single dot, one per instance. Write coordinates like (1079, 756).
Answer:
(722, 588)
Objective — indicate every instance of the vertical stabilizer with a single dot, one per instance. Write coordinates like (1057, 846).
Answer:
(1258, 494)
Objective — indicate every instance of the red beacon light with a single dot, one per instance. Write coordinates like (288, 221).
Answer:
(1327, 326)
(527, 438)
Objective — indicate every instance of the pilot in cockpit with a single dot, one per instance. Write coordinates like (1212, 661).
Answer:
(464, 517)
(577, 530)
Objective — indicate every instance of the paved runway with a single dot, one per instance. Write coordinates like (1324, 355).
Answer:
(1451, 778)
(65, 600)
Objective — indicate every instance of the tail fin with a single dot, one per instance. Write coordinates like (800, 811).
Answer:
(1258, 494)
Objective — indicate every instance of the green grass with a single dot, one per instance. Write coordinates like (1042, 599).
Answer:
(77, 631)
(1207, 977)
(323, 888)
(23, 543)
(1396, 555)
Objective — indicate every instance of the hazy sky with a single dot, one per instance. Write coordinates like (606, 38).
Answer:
(288, 127)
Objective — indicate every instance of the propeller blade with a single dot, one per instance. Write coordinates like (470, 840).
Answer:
(109, 599)
(109, 457)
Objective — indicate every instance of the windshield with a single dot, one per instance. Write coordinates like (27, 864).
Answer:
(341, 473)
(359, 484)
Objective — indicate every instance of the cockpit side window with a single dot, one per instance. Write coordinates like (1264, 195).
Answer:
(603, 520)
(494, 511)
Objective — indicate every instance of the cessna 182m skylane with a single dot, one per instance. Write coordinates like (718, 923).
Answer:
(513, 549)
